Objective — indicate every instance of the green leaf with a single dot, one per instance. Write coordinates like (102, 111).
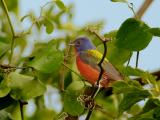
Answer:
(116, 55)
(48, 60)
(133, 35)
(125, 87)
(44, 114)
(146, 116)
(132, 96)
(24, 87)
(151, 104)
(12, 5)
(5, 115)
(155, 31)
(4, 47)
(60, 4)
(124, 1)
(119, 87)
(14, 110)
(49, 25)
(129, 71)
(135, 109)
(68, 79)
(71, 105)
(4, 90)
(156, 113)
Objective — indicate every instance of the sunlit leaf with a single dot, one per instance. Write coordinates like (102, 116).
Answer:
(130, 71)
(155, 31)
(24, 87)
(133, 35)
(4, 90)
(14, 110)
(60, 4)
(44, 114)
(49, 26)
(48, 60)
(12, 5)
(5, 115)
(71, 105)
(4, 47)
(24, 17)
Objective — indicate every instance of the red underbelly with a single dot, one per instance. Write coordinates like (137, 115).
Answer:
(89, 73)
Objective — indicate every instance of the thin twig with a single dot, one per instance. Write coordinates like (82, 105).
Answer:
(129, 59)
(12, 67)
(97, 88)
(102, 38)
(130, 6)
(11, 26)
(22, 103)
(45, 6)
(137, 59)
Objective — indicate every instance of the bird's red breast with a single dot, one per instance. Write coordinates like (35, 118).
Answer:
(88, 72)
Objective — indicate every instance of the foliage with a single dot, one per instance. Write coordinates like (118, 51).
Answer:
(49, 64)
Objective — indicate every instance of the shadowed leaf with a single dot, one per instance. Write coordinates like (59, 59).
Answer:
(133, 35)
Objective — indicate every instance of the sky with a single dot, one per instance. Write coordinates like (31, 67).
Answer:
(114, 14)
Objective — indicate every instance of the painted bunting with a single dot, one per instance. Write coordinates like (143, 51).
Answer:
(87, 59)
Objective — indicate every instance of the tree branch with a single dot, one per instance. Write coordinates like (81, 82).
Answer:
(22, 103)
(11, 26)
(97, 87)
(143, 8)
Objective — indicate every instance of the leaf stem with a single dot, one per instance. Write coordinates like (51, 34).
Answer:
(137, 58)
(22, 103)
(11, 27)
(129, 59)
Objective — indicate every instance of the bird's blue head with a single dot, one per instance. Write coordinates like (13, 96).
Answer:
(82, 44)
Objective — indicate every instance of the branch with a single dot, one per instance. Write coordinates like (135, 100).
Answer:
(137, 58)
(11, 26)
(97, 88)
(22, 103)
(143, 8)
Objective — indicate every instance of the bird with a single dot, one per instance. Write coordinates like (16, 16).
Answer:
(87, 59)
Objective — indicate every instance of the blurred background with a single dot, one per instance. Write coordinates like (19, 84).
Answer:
(67, 26)
(113, 15)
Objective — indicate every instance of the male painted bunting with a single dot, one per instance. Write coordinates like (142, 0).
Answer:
(87, 59)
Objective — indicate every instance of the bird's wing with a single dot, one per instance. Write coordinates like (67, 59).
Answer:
(93, 57)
